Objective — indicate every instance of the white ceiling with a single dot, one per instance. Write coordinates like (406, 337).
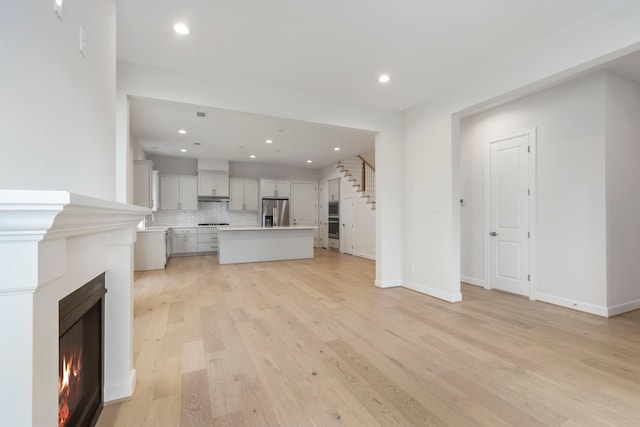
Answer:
(330, 49)
(234, 136)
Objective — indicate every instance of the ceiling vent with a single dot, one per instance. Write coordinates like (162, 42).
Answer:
(201, 115)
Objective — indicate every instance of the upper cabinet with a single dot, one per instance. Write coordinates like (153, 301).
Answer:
(243, 194)
(213, 178)
(213, 183)
(142, 183)
(334, 190)
(178, 192)
(275, 188)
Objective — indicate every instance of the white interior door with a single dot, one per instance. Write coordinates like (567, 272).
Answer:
(346, 226)
(304, 203)
(509, 214)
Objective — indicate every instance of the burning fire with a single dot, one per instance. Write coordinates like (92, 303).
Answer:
(69, 385)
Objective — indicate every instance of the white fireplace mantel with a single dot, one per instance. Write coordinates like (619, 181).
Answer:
(51, 243)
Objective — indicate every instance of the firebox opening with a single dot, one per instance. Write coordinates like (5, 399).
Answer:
(80, 366)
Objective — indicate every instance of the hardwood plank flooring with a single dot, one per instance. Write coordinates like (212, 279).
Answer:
(314, 343)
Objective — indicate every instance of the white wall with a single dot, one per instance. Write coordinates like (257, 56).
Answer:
(186, 166)
(430, 164)
(364, 222)
(265, 170)
(137, 151)
(370, 157)
(174, 165)
(570, 211)
(623, 193)
(57, 106)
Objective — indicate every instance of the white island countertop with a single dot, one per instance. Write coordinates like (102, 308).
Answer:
(254, 243)
(153, 230)
(258, 227)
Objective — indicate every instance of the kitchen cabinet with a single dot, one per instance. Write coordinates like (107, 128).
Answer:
(334, 244)
(142, 183)
(178, 192)
(184, 240)
(207, 239)
(275, 188)
(243, 194)
(150, 249)
(212, 183)
(334, 190)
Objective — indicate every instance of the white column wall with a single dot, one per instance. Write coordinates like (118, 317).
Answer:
(390, 180)
(623, 193)
(428, 210)
(119, 372)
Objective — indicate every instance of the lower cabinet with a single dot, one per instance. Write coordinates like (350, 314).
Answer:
(194, 240)
(150, 250)
(184, 240)
(334, 244)
(207, 240)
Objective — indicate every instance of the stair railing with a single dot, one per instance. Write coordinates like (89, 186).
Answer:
(368, 180)
(362, 175)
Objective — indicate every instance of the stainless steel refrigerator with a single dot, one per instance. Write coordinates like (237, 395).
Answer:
(275, 212)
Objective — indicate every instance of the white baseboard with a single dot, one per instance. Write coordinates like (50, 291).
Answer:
(121, 390)
(449, 297)
(623, 308)
(363, 255)
(383, 284)
(473, 281)
(598, 310)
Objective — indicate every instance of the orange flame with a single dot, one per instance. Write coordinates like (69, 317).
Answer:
(68, 385)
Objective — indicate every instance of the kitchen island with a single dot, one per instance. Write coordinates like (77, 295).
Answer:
(255, 244)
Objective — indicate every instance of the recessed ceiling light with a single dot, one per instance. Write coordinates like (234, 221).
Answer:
(253, 156)
(309, 161)
(181, 29)
(57, 8)
(384, 78)
(268, 141)
(183, 150)
(182, 131)
(336, 149)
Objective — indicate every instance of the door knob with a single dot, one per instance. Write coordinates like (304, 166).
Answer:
(493, 233)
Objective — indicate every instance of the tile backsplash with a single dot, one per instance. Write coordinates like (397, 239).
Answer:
(208, 212)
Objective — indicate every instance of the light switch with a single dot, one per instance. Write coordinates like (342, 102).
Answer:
(83, 42)
(57, 8)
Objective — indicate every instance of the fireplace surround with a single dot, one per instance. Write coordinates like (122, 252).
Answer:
(51, 244)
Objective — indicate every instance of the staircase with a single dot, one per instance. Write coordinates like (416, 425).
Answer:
(362, 177)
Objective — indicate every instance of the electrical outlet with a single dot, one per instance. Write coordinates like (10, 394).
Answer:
(83, 42)
(57, 8)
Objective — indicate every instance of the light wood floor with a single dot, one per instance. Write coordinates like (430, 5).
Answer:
(314, 343)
